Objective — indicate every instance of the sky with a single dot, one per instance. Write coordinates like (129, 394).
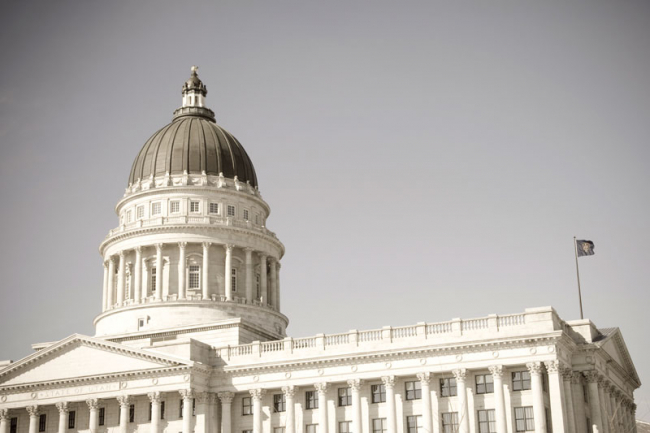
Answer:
(423, 160)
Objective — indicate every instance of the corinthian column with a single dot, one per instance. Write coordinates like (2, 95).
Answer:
(391, 418)
(154, 398)
(125, 404)
(111, 283)
(120, 279)
(62, 407)
(4, 420)
(205, 281)
(182, 266)
(188, 399)
(137, 276)
(463, 418)
(535, 369)
(93, 419)
(499, 400)
(578, 400)
(159, 272)
(290, 423)
(355, 387)
(556, 396)
(265, 295)
(227, 274)
(105, 290)
(202, 418)
(604, 413)
(427, 416)
(226, 409)
(249, 275)
(34, 413)
(257, 395)
(567, 375)
(322, 406)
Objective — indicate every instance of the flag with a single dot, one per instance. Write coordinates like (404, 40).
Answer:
(585, 248)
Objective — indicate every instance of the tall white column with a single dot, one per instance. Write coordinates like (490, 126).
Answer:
(228, 271)
(4, 420)
(202, 418)
(463, 417)
(182, 267)
(290, 423)
(105, 290)
(226, 411)
(137, 276)
(125, 404)
(539, 412)
(256, 396)
(567, 374)
(499, 399)
(93, 418)
(616, 404)
(556, 396)
(604, 414)
(322, 406)
(120, 278)
(578, 401)
(34, 413)
(154, 398)
(355, 387)
(111, 283)
(159, 271)
(188, 401)
(205, 281)
(391, 416)
(611, 422)
(427, 416)
(213, 421)
(594, 399)
(62, 407)
(273, 279)
(249, 275)
(263, 287)
(277, 285)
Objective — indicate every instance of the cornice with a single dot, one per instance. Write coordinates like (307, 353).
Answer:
(343, 359)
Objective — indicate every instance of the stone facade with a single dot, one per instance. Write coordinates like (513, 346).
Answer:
(191, 338)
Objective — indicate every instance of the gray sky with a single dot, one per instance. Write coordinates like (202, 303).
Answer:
(423, 160)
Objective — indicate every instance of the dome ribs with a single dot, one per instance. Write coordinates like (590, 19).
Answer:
(194, 154)
(138, 165)
(227, 165)
(202, 147)
(213, 159)
(175, 157)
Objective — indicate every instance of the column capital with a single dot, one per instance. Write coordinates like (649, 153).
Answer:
(389, 381)
(228, 247)
(201, 397)
(62, 406)
(212, 397)
(138, 249)
(322, 387)
(262, 255)
(4, 414)
(110, 260)
(534, 367)
(124, 401)
(553, 366)
(425, 377)
(226, 397)
(154, 397)
(460, 374)
(496, 370)
(206, 245)
(257, 394)
(591, 376)
(159, 247)
(355, 384)
(576, 377)
(121, 254)
(186, 393)
(567, 373)
(33, 410)
(182, 245)
(105, 264)
(93, 403)
(248, 250)
(289, 391)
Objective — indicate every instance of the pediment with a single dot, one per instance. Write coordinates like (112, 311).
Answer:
(80, 356)
(614, 345)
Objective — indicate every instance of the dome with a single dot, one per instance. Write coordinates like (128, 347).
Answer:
(193, 143)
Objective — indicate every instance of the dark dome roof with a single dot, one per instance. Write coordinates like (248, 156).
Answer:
(194, 143)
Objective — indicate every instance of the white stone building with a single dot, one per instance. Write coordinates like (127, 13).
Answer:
(191, 337)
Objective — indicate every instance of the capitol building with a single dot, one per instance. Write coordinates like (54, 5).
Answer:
(191, 336)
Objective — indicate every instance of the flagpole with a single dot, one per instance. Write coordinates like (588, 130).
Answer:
(575, 249)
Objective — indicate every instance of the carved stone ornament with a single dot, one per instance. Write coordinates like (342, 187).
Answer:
(62, 406)
(496, 370)
(33, 410)
(591, 376)
(534, 368)
(4, 414)
(257, 394)
(460, 374)
(424, 377)
(154, 397)
(226, 397)
(355, 384)
(201, 397)
(552, 366)
(289, 391)
(389, 381)
(576, 377)
(93, 403)
(567, 373)
(186, 394)
(124, 401)
(322, 387)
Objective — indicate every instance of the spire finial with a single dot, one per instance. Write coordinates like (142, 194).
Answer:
(194, 69)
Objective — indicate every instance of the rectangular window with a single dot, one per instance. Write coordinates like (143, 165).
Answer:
(245, 214)
(150, 411)
(139, 212)
(180, 409)
(214, 207)
(257, 219)
(194, 206)
(233, 279)
(71, 418)
(413, 390)
(42, 420)
(247, 406)
(486, 421)
(194, 277)
(102, 415)
(520, 380)
(449, 422)
(174, 206)
(13, 425)
(344, 427)
(379, 425)
(258, 287)
(132, 413)
(484, 384)
(378, 393)
(524, 419)
(414, 424)
(448, 387)
(311, 428)
(162, 410)
(231, 210)
(129, 216)
(279, 403)
(311, 400)
(153, 282)
(345, 396)
(155, 208)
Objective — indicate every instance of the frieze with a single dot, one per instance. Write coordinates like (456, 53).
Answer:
(80, 390)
